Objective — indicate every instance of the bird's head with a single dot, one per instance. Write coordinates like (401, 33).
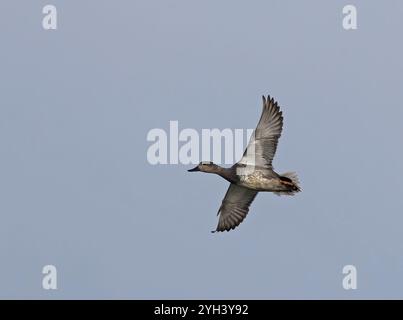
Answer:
(205, 166)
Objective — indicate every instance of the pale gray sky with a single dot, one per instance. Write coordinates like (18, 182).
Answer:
(76, 190)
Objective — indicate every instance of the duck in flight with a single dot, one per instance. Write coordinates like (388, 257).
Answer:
(254, 172)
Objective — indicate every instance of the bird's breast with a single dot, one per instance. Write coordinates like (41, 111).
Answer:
(257, 181)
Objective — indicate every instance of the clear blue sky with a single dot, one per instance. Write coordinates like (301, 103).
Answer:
(77, 192)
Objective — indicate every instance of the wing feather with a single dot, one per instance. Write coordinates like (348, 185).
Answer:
(234, 207)
(263, 142)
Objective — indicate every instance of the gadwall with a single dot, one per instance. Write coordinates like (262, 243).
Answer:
(254, 172)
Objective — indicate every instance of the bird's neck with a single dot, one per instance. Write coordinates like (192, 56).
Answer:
(226, 173)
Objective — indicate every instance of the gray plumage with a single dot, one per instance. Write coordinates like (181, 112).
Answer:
(254, 172)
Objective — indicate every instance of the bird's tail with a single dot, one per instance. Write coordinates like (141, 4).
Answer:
(291, 182)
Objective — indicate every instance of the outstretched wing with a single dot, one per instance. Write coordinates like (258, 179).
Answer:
(263, 142)
(234, 207)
